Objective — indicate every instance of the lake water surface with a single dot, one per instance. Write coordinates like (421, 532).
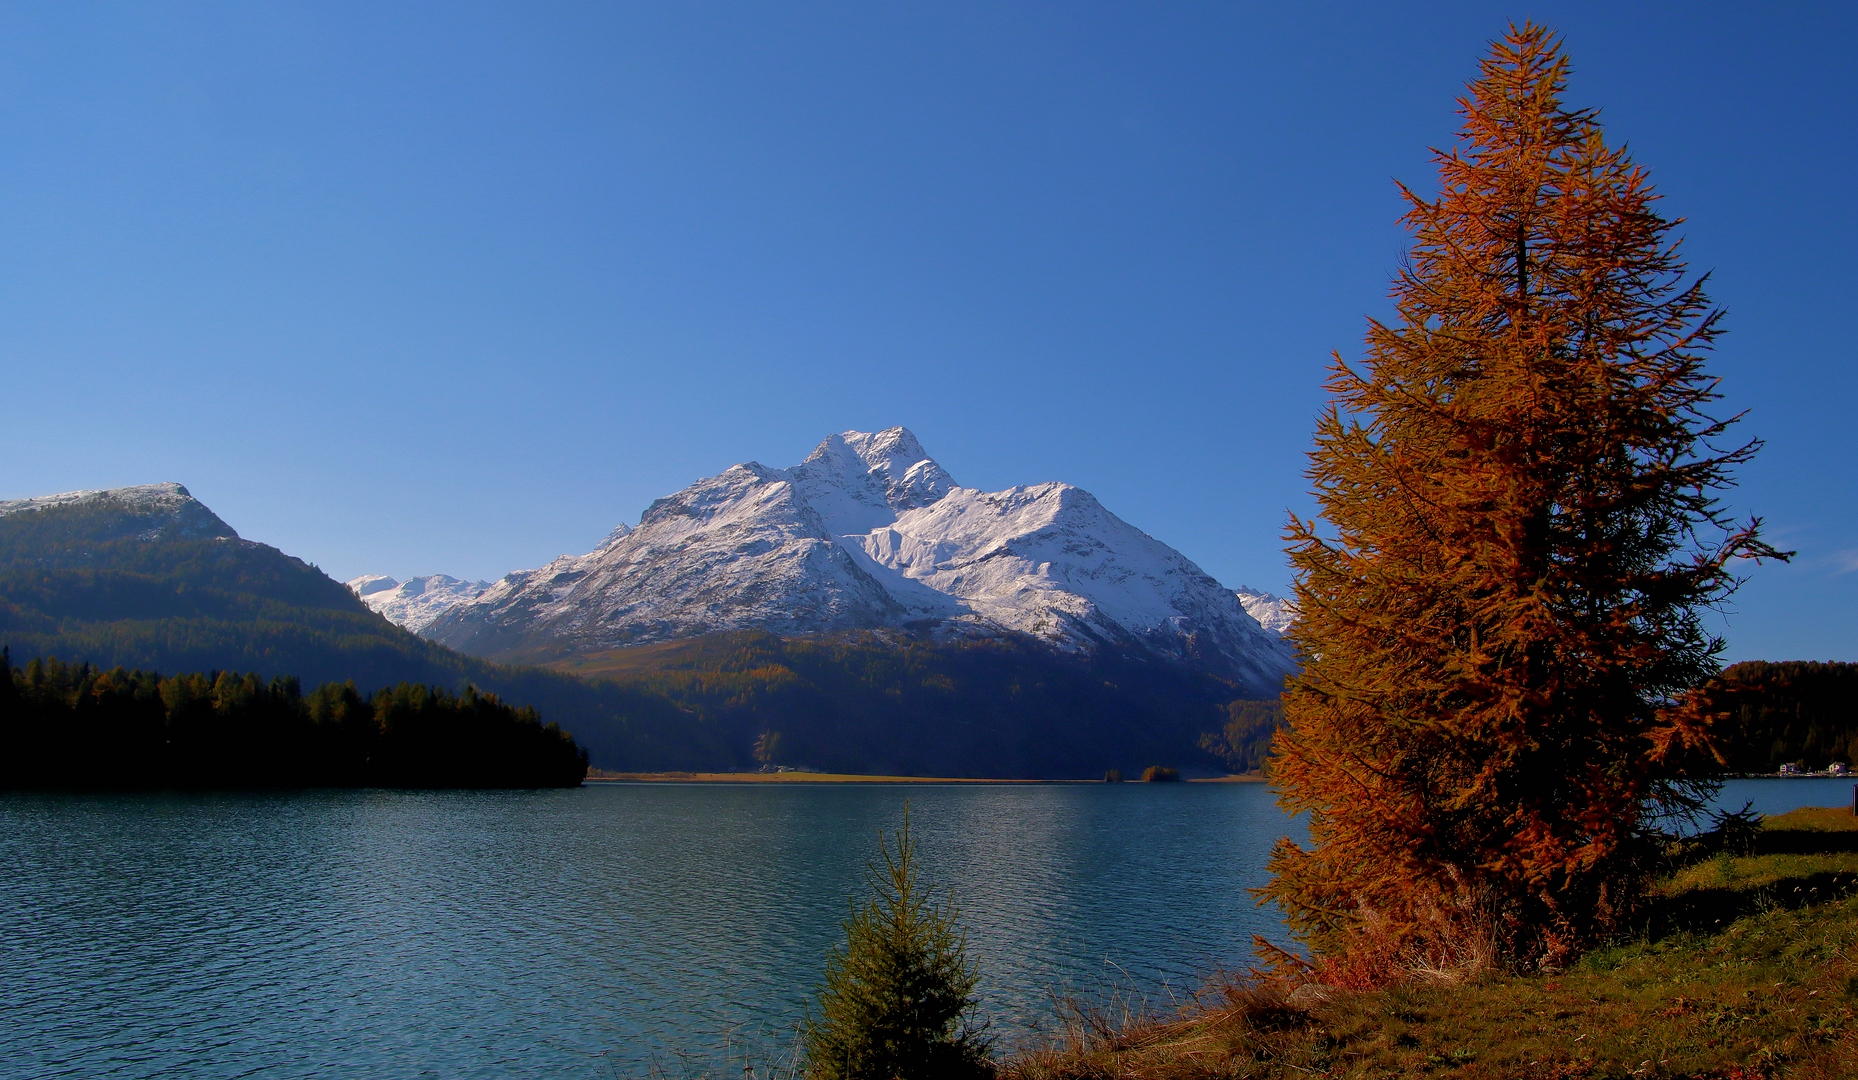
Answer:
(586, 932)
(614, 930)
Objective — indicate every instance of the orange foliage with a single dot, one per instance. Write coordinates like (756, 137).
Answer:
(1521, 481)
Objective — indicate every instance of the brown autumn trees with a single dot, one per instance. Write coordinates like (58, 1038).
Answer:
(1518, 485)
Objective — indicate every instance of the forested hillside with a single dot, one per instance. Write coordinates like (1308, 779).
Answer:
(889, 702)
(1788, 712)
(115, 584)
(1244, 743)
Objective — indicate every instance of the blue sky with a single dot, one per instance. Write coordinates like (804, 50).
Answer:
(456, 287)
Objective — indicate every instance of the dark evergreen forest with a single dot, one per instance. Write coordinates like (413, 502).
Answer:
(73, 726)
(1788, 712)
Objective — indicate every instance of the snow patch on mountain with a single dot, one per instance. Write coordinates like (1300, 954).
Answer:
(868, 532)
(143, 498)
(151, 511)
(1050, 561)
(1274, 613)
(737, 550)
(368, 584)
(414, 603)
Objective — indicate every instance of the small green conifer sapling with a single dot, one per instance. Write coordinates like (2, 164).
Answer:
(898, 999)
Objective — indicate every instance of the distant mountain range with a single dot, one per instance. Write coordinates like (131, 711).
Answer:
(867, 534)
(417, 602)
(1274, 613)
(860, 612)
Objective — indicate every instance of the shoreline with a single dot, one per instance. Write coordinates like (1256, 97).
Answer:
(855, 778)
(1793, 776)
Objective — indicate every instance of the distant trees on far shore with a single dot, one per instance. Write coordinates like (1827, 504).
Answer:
(1770, 714)
(76, 726)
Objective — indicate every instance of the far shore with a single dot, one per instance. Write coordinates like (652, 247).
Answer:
(597, 776)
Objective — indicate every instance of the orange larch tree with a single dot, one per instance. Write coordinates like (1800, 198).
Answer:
(1519, 490)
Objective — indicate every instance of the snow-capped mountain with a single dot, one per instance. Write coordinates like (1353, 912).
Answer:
(416, 602)
(148, 511)
(1274, 613)
(869, 533)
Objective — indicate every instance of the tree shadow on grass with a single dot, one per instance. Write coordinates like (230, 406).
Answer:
(1708, 910)
(1804, 842)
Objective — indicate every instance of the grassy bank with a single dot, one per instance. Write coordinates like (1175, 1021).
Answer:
(1746, 966)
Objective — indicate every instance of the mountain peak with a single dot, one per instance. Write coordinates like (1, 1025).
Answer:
(855, 478)
(891, 451)
(620, 532)
(367, 584)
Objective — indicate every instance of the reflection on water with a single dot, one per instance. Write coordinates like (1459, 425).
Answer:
(581, 933)
(573, 933)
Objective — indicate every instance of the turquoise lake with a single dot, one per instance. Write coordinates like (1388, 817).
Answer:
(610, 931)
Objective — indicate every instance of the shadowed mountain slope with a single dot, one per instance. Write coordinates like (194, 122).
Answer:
(895, 702)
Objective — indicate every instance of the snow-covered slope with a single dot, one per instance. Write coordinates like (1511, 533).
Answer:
(416, 602)
(1274, 613)
(149, 511)
(867, 533)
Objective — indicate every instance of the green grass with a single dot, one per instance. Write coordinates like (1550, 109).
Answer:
(1746, 966)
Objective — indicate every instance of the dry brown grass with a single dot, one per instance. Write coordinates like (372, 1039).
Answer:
(1237, 1022)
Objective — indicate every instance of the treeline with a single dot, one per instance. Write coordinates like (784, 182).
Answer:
(76, 726)
(1789, 712)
